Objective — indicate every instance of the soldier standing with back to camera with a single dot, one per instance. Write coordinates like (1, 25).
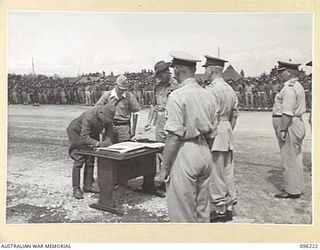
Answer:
(186, 168)
(222, 183)
(289, 105)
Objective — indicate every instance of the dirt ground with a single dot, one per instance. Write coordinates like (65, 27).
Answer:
(39, 174)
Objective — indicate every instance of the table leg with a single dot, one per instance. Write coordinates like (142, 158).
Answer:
(148, 185)
(106, 185)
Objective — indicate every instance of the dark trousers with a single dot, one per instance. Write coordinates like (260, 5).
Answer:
(78, 161)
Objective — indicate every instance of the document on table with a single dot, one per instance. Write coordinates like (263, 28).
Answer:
(127, 146)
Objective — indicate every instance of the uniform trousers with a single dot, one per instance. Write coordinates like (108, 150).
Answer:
(239, 96)
(88, 97)
(45, 98)
(24, 98)
(249, 99)
(79, 159)
(188, 187)
(63, 97)
(15, 97)
(262, 99)
(291, 154)
(308, 99)
(222, 184)
(160, 123)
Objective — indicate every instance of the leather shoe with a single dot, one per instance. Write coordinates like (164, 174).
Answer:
(217, 217)
(90, 189)
(286, 195)
(77, 193)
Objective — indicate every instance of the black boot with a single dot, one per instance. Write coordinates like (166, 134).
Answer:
(77, 193)
(88, 180)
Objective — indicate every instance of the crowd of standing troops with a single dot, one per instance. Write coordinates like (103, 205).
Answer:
(26, 89)
(258, 93)
(254, 93)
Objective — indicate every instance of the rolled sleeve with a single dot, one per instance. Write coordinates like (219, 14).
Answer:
(174, 123)
(289, 102)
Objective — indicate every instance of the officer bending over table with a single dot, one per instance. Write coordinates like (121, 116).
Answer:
(84, 132)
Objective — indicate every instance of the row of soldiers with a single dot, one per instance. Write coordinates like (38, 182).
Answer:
(259, 93)
(46, 90)
(254, 93)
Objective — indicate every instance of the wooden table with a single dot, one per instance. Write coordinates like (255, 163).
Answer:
(115, 168)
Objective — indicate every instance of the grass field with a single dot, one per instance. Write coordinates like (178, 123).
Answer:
(39, 173)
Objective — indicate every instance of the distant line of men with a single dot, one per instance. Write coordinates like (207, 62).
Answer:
(22, 90)
(254, 93)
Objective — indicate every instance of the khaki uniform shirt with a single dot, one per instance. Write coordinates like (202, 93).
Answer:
(262, 87)
(290, 100)
(161, 94)
(87, 88)
(238, 88)
(125, 104)
(249, 88)
(276, 87)
(228, 109)
(306, 85)
(191, 111)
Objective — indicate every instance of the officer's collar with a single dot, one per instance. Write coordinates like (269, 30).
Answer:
(114, 94)
(188, 81)
(220, 79)
(291, 81)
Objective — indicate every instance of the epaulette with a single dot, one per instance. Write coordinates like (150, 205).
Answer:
(292, 83)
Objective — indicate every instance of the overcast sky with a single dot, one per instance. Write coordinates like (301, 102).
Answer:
(68, 42)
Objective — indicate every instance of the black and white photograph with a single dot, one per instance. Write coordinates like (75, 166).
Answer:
(159, 117)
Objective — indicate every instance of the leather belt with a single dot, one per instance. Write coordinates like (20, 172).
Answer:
(120, 123)
(223, 118)
(197, 139)
(298, 116)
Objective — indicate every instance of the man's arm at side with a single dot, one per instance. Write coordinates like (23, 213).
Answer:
(171, 148)
(134, 104)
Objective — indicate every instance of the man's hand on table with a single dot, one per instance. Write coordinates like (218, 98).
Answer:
(103, 144)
